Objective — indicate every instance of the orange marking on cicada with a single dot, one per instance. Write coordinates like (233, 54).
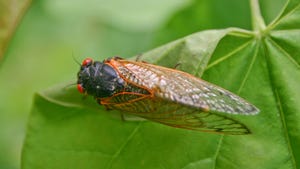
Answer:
(106, 101)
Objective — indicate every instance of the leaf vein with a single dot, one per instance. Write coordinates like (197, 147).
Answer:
(249, 69)
(123, 145)
(217, 151)
(287, 138)
(223, 58)
(285, 53)
(277, 21)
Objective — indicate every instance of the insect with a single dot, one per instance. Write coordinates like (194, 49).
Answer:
(164, 95)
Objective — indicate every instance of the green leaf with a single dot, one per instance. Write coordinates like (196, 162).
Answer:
(10, 14)
(203, 15)
(66, 131)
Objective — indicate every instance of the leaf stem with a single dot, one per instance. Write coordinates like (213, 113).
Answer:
(258, 23)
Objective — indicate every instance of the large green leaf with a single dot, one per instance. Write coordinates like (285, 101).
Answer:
(67, 131)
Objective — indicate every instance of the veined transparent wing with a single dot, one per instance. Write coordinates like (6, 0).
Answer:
(174, 114)
(183, 88)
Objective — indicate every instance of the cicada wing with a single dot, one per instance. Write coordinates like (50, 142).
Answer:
(194, 119)
(206, 122)
(184, 88)
(174, 114)
(199, 93)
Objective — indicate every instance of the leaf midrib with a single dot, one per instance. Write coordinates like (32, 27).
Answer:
(117, 153)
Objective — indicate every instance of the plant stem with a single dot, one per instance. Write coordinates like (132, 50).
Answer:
(258, 23)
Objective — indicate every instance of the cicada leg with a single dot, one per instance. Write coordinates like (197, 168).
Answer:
(177, 65)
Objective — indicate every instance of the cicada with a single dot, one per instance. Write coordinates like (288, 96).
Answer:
(164, 95)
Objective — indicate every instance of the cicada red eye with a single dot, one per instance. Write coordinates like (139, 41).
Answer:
(87, 61)
(80, 88)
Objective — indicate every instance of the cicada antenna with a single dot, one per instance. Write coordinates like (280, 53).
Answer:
(75, 59)
(70, 85)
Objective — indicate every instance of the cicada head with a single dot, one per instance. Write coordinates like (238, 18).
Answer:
(98, 79)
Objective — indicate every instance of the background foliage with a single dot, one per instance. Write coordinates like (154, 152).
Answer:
(63, 129)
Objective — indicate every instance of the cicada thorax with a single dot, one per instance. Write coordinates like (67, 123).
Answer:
(109, 86)
(99, 80)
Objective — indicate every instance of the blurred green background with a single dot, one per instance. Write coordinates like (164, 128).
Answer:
(39, 52)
